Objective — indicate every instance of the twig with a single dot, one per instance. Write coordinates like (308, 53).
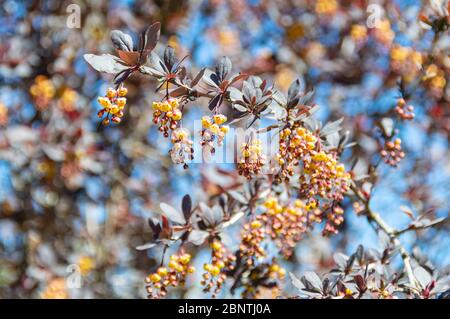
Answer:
(392, 233)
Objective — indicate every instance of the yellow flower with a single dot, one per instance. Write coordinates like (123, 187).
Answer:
(219, 119)
(111, 93)
(214, 128)
(299, 204)
(86, 264)
(224, 129)
(162, 271)
(156, 106)
(185, 259)
(216, 245)
(173, 103)
(56, 289)
(191, 269)
(206, 121)
(123, 91)
(114, 109)
(326, 6)
(438, 82)
(214, 270)
(155, 277)
(255, 224)
(274, 268)
(399, 53)
(165, 107)
(105, 102)
(270, 202)
(177, 115)
(358, 32)
(320, 157)
(121, 101)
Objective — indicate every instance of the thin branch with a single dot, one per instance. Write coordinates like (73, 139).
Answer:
(392, 233)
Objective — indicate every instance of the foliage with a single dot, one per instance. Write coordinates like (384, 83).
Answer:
(243, 231)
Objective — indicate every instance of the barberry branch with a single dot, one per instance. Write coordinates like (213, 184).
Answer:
(391, 232)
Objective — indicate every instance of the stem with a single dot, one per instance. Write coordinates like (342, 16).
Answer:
(393, 235)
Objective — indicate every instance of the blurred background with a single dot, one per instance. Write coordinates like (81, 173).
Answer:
(75, 196)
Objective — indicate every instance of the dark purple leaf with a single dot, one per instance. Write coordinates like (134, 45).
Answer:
(121, 41)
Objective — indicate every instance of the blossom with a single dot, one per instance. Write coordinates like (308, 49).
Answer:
(173, 275)
(113, 104)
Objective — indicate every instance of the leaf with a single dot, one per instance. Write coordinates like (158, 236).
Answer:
(360, 253)
(130, 58)
(240, 108)
(238, 77)
(217, 214)
(296, 282)
(173, 214)
(215, 102)
(331, 127)
(169, 57)
(197, 237)
(279, 98)
(223, 67)
(248, 90)
(422, 276)
(146, 246)
(155, 227)
(360, 282)
(207, 214)
(186, 206)
(314, 279)
(238, 196)
(105, 63)
(122, 41)
(305, 99)
(152, 36)
(198, 77)
(340, 260)
(294, 91)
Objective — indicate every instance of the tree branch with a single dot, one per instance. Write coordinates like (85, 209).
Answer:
(392, 233)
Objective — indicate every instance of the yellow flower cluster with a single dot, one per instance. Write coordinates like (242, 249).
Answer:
(173, 275)
(56, 289)
(358, 33)
(182, 149)
(42, 91)
(167, 114)
(252, 159)
(294, 144)
(383, 32)
(214, 277)
(324, 176)
(326, 6)
(276, 271)
(212, 129)
(406, 61)
(113, 104)
(286, 223)
(67, 100)
(86, 265)
(3, 114)
(435, 79)
(252, 236)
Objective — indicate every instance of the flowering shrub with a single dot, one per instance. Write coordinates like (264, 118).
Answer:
(336, 125)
